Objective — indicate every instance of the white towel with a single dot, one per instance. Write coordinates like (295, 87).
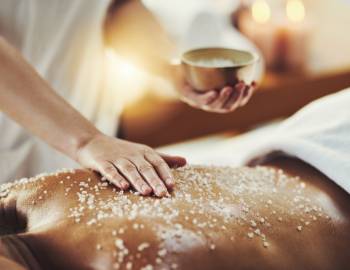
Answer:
(318, 134)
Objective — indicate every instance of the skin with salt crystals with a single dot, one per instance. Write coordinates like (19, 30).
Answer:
(206, 200)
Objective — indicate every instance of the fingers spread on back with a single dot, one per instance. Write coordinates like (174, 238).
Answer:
(130, 172)
(108, 170)
(161, 167)
(148, 173)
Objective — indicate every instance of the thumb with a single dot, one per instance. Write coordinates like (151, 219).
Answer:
(173, 161)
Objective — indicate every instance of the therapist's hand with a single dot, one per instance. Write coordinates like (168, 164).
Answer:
(225, 100)
(128, 164)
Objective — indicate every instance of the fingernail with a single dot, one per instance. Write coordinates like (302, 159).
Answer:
(160, 190)
(169, 182)
(145, 189)
(125, 185)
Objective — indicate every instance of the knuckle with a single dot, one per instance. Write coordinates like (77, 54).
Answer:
(158, 162)
(148, 150)
(145, 168)
(115, 176)
(120, 161)
(139, 182)
(109, 168)
(128, 167)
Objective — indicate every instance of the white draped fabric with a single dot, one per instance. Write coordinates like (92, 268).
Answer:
(63, 40)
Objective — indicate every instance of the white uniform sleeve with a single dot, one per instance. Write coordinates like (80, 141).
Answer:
(318, 134)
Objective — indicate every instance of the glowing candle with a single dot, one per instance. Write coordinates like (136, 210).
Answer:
(281, 39)
(295, 10)
(261, 11)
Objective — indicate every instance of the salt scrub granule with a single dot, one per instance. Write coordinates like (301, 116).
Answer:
(128, 265)
(162, 252)
(3, 192)
(119, 243)
(257, 232)
(143, 246)
(148, 267)
(253, 223)
(215, 199)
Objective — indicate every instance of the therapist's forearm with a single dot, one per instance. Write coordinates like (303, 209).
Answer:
(30, 101)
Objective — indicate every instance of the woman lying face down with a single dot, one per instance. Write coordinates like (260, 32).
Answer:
(282, 216)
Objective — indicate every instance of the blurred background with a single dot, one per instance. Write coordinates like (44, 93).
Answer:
(305, 45)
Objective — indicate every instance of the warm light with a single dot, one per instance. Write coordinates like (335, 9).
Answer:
(127, 80)
(295, 10)
(261, 11)
(126, 70)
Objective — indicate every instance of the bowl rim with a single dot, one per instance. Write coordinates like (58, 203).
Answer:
(255, 57)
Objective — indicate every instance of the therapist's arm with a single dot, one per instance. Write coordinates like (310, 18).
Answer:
(30, 101)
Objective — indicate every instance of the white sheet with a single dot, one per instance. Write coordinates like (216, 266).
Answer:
(319, 134)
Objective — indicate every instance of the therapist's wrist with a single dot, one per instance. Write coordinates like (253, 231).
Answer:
(83, 139)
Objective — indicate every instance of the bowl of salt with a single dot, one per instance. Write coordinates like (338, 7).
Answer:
(208, 69)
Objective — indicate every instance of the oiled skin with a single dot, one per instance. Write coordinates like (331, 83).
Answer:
(49, 239)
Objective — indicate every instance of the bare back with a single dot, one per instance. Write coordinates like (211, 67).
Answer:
(216, 218)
